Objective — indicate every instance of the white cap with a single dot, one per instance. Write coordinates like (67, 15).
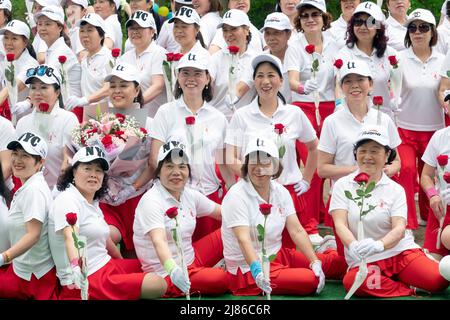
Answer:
(187, 15)
(17, 27)
(31, 143)
(143, 19)
(355, 66)
(124, 71)
(266, 57)
(421, 14)
(266, 145)
(184, 1)
(5, 4)
(46, 74)
(278, 21)
(46, 3)
(54, 13)
(319, 4)
(88, 154)
(93, 19)
(83, 3)
(372, 9)
(117, 3)
(170, 146)
(195, 59)
(374, 132)
(235, 18)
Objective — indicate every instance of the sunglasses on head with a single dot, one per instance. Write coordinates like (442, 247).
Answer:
(40, 71)
(423, 28)
(314, 15)
(369, 22)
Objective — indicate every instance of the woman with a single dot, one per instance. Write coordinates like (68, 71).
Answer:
(82, 185)
(75, 10)
(395, 23)
(422, 113)
(209, 12)
(394, 261)
(165, 37)
(339, 26)
(204, 137)
(148, 58)
(438, 146)
(5, 18)
(293, 272)
(335, 159)
(108, 10)
(31, 275)
(266, 114)
(154, 229)
(289, 8)
(314, 93)
(444, 88)
(48, 119)
(444, 31)
(4, 202)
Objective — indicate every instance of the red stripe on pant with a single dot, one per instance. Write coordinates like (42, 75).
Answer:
(393, 277)
(411, 150)
(204, 278)
(206, 225)
(431, 232)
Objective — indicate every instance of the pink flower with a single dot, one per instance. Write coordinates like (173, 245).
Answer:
(362, 177)
(279, 128)
(10, 57)
(71, 218)
(442, 160)
(265, 208)
(115, 52)
(378, 100)
(62, 59)
(310, 48)
(172, 212)
(233, 49)
(338, 63)
(43, 107)
(190, 120)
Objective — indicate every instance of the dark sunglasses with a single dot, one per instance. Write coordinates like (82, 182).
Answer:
(369, 22)
(423, 28)
(314, 15)
(40, 71)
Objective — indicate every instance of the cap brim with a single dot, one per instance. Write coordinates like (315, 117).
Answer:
(276, 155)
(265, 58)
(103, 162)
(164, 156)
(46, 80)
(184, 19)
(309, 4)
(2, 32)
(13, 145)
(109, 77)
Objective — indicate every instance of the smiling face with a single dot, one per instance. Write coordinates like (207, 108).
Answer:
(88, 178)
(90, 38)
(140, 37)
(122, 93)
(192, 81)
(288, 7)
(201, 6)
(235, 36)
(243, 5)
(348, 7)
(419, 39)
(371, 158)
(104, 8)
(267, 81)
(24, 165)
(14, 43)
(185, 34)
(260, 169)
(311, 20)
(48, 30)
(174, 175)
(356, 88)
(41, 92)
(362, 32)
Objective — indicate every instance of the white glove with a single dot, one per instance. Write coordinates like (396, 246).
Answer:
(262, 283)
(301, 187)
(74, 101)
(231, 102)
(310, 86)
(2, 260)
(353, 253)
(368, 247)
(21, 107)
(445, 196)
(77, 277)
(180, 280)
(316, 267)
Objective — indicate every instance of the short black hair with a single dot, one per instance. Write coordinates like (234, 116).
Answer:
(392, 154)
(276, 163)
(172, 155)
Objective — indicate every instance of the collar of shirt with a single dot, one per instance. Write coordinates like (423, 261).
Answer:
(411, 55)
(57, 44)
(181, 104)
(102, 52)
(251, 191)
(383, 181)
(254, 108)
(35, 177)
(392, 22)
(362, 54)
(165, 194)
(150, 48)
(351, 116)
(77, 195)
(55, 111)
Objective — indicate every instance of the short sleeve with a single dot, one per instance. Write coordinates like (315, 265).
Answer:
(292, 59)
(35, 206)
(150, 214)
(327, 142)
(62, 205)
(159, 126)
(234, 211)
(399, 207)
(235, 134)
(203, 205)
(307, 132)
(431, 152)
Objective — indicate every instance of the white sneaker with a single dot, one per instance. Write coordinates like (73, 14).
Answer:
(315, 239)
(329, 242)
(422, 223)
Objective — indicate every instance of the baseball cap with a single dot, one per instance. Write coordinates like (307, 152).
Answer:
(374, 132)
(46, 74)
(52, 12)
(31, 143)
(354, 66)
(117, 3)
(266, 57)
(143, 19)
(17, 27)
(319, 4)
(93, 19)
(235, 18)
(266, 145)
(89, 154)
(5, 4)
(421, 14)
(184, 1)
(187, 15)
(176, 146)
(83, 3)
(372, 9)
(124, 71)
(46, 3)
(278, 21)
(195, 59)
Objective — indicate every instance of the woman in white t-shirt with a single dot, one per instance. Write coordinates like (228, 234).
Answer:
(444, 88)
(395, 23)
(4, 201)
(255, 212)
(164, 224)
(289, 8)
(108, 10)
(209, 12)
(378, 237)
(31, 274)
(5, 18)
(339, 26)
(109, 277)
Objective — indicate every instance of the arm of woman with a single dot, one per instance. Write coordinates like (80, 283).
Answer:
(72, 252)
(393, 237)
(294, 80)
(341, 226)
(99, 94)
(311, 162)
(327, 169)
(300, 237)
(155, 89)
(241, 89)
(112, 249)
(393, 168)
(5, 160)
(30, 238)
(427, 183)
(159, 240)
(242, 234)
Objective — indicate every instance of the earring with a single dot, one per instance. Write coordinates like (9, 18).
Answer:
(206, 87)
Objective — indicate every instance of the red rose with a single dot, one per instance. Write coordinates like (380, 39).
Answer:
(120, 117)
(310, 48)
(10, 57)
(279, 128)
(378, 100)
(62, 59)
(177, 56)
(190, 120)
(446, 177)
(393, 60)
(362, 177)
(169, 56)
(265, 208)
(172, 212)
(338, 63)
(71, 218)
(233, 49)
(115, 52)
(143, 130)
(119, 133)
(442, 160)
(107, 140)
(43, 107)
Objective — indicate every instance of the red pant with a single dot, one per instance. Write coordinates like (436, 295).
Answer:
(290, 274)
(447, 120)
(411, 150)
(78, 111)
(431, 233)
(204, 278)
(206, 225)
(393, 277)
(5, 111)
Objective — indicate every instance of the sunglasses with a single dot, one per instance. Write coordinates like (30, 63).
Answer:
(369, 22)
(40, 71)
(423, 28)
(314, 15)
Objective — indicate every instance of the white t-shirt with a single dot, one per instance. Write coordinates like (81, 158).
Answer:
(390, 201)
(114, 29)
(443, 45)
(31, 201)
(39, 45)
(150, 215)
(257, 43)
(7, 133)
(91, 224)
(297, 59)
(148, 63)
(4, 234)
(396, 33)
(208, 26)
(421, 110)
(209, 132)
(240, 207)
(93, 70)
(446, 66)
(250, 123)
(165, 38)
(56, 128)
(339, 31)
(438, 144)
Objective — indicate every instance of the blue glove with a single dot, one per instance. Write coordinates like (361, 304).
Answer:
(261, 282)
